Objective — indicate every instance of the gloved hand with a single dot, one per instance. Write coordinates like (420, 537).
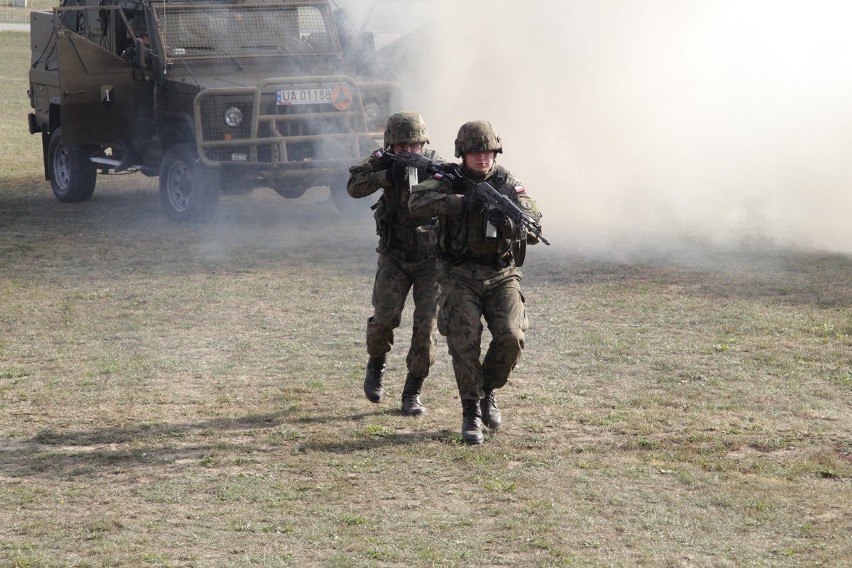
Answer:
(500, 221)
(385, 159)
(472, 203)
(398, 171)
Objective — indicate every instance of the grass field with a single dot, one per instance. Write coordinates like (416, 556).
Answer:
(187, 395)
(18, 11)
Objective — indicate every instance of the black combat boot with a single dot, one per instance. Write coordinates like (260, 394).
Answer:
(490, 413)
(373, 381)
(411, 405)
(471, 423)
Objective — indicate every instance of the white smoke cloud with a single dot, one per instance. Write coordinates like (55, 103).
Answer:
(656, 123)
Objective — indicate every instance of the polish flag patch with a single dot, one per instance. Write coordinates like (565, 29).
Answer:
(519, 189)
(438, 176)
(378, 154)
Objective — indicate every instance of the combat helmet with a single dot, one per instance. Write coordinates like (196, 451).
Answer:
(477, 136)
(406, 127)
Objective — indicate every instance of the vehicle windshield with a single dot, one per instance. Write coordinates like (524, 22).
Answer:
(209, 31)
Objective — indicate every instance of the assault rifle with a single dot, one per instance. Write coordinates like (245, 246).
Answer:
(483, 190)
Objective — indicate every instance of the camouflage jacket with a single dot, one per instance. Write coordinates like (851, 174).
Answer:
(401, 234)
(467, 237)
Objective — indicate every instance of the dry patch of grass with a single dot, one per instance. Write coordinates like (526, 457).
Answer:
(20, 153)
(184, 395)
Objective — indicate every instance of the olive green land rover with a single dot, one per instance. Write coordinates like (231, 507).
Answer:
(212, 97)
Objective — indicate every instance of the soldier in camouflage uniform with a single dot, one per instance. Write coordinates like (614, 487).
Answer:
(480, 251)
(407, 247)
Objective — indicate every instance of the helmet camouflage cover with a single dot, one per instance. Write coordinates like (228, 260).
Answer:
(477, 136)
(405, 127)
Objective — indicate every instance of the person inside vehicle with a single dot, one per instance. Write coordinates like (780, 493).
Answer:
(130, 55)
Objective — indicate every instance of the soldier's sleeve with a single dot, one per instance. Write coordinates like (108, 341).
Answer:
(367, 178)
(433, 197)
(526, 202)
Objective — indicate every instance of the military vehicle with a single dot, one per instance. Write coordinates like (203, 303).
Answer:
(212, 97)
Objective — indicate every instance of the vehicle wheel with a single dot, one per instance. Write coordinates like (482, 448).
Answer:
(189, 191)
(344, 202)
(289, 191)
(71, 173)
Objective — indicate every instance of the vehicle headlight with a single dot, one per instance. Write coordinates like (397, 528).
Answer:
(373, 112)
(233, 116)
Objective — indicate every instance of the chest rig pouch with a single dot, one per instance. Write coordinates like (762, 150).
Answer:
(409, 238)
(457, 243)
(518, 247)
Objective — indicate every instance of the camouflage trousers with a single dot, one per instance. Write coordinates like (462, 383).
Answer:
(394, 280)
(470, 293)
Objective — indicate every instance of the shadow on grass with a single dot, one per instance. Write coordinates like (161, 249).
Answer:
(59, 455)
(369, 443)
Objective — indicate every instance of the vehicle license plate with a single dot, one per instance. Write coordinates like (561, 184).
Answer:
(303, 96)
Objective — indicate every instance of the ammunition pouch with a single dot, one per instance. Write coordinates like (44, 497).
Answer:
(409, 243)
(383, 216)
(426, 240)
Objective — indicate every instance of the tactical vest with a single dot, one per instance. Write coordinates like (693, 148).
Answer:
(464, 237)
(402, 235)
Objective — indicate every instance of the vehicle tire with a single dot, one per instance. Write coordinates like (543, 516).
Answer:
(188, 190)
(289, 191)
(71, 172)
(345, 203)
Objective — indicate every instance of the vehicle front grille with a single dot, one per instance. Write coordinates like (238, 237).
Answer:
(214, 128)
(273, 134)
